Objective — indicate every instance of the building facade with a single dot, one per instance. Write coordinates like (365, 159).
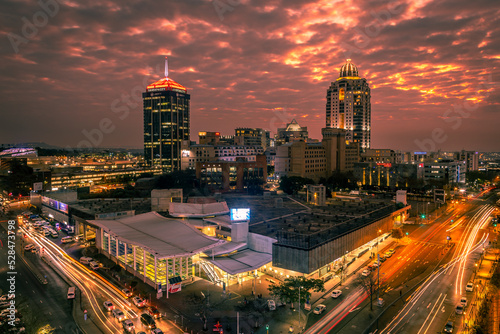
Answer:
(348, 106)
(292, 132)
(252, 137)
(166, 122)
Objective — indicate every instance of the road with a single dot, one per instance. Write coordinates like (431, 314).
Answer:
(38, 304)
(439, 269)
(93, 287)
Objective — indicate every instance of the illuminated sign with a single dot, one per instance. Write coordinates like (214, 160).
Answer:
(52, 203)
(420, 153)
(385, 164)
(240, 214)
(421, 165)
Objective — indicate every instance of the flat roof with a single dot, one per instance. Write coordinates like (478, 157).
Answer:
(242, 261)
(161, 236)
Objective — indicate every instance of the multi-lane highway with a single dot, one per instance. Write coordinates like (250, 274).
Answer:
(94, 289)
(430, 272)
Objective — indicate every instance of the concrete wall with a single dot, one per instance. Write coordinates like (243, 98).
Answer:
(239, 231)
(161, 198)
(260, 243)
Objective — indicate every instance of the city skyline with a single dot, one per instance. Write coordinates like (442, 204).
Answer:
(432, 68)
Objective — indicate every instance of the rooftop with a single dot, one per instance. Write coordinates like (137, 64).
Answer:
(161, 236)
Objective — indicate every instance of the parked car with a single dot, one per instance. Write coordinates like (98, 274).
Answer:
(388, 254)
(459, 309)
(153, 311)
(71, 292)
(148, 321)
(336, 293)
(469, 287)
(54, 234)
(271, 305)
(94, 265)
(85, 260)
(448, 328)
(109, 306)
(29, 247)
(463, 301)
(118, 314)
(128, 326)
(366, 272)
(127, 292)
(319, 309)
(138, 301)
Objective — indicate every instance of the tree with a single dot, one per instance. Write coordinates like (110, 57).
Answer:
(291, 185)
(340, 180)
(397, 233)
(369, 284)
(289, 289)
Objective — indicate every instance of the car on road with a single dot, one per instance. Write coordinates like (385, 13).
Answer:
(153, 311)
(463, 301)
(448, 328)
(127, 292)
(66, 240)
(459, 309)
(271, 305)
(382, 258)
(138, 301)
(392, 251)
(109, 306)
(128, 326)
(156, 331)
(118, 314)
(148, 321)
(366, 272)
(319, 309)
(469, 287)
(388, 254)
(29, 247)
(336, 293)
(54, 234)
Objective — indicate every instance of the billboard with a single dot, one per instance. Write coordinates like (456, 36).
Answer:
(240, 214)
(52, 203)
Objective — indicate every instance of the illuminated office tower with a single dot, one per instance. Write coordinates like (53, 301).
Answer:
(348, 106)
(166, 122)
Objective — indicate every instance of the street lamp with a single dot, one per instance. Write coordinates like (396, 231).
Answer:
(299, 306)
(378, 271)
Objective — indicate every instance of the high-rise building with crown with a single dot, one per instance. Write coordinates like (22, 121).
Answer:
(166, 122)
(348, 106)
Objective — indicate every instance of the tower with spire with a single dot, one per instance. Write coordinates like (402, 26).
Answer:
(348, 105)
(166, 122)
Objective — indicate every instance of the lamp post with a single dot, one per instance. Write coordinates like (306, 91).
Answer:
(299, 306)
(378, 269)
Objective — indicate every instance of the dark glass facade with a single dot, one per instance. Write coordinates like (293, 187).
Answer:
(166, 125)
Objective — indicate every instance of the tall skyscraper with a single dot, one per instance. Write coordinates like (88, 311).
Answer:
(166, 122)
(348, 105)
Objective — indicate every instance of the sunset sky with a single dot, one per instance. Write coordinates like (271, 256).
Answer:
(433, 67)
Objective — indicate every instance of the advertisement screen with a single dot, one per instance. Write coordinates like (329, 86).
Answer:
(63, 207)
(240, 214)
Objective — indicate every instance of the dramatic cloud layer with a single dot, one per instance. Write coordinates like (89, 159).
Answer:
(70, 67)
